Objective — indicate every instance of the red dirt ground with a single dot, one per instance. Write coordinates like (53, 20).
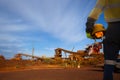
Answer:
(35, 70)
(55, 74)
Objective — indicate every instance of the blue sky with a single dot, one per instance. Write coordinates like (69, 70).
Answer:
(44, 25)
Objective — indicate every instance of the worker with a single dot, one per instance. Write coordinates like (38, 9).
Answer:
(111, 42)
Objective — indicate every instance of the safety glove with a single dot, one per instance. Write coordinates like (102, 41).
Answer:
(89, 27)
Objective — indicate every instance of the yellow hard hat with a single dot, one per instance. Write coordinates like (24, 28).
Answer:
(98, 28)
(98, 31)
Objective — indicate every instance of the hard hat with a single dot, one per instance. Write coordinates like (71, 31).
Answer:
(98, 31)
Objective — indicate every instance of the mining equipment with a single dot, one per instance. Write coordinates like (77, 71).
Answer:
(20, 55)
(90, 50)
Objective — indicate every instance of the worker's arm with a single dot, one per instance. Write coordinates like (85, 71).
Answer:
(97, 10)
(93, 16)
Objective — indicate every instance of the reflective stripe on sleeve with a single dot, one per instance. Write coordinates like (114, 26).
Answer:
(118, 64)
(99, 6)
(110, 62)
(117, 5)
(112, 20)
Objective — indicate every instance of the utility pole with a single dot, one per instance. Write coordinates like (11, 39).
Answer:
(32, 51)
(73, 48)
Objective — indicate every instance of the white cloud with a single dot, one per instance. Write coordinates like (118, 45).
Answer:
(13, 28)
(49, 49)
(53, 16)
(6, 50)
(6, 19)
(13, 25)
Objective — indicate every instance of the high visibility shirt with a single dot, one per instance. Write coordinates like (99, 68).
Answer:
(110, 8)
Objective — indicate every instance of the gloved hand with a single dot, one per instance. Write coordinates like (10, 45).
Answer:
(89, 25)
